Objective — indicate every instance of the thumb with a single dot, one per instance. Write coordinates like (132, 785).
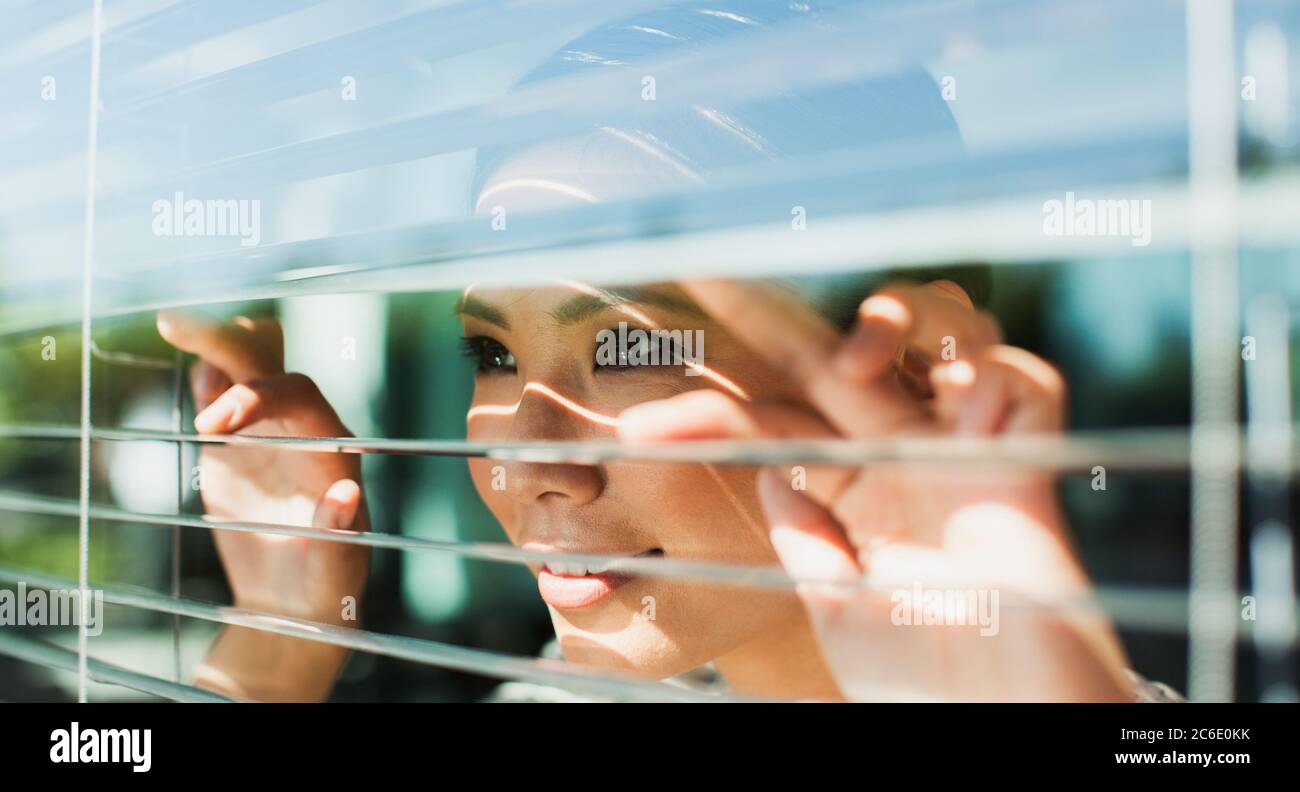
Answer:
(808, 540)
(337, 508)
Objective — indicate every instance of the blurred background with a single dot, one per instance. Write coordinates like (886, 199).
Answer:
(356, 124)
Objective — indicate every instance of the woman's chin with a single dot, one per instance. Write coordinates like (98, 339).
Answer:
(659, 631)
(637, 649)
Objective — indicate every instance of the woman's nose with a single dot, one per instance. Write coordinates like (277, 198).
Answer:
(544, 414)
(546, 484)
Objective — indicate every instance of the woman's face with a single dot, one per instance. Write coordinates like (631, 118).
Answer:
(541, 376)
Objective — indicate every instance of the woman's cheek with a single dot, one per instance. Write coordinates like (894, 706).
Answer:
(487, 475)
(693, 511)
(613, 392)
(492, 409)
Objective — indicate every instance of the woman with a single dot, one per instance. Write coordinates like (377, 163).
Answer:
(772, 366)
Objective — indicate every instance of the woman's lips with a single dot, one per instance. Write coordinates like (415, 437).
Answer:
(567, 585)
(566, 591)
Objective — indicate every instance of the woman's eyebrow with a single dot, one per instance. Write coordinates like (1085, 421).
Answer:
(583, 306)
(472, 306)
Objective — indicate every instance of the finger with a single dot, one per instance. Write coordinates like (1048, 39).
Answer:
(1014, 392)
(774, 321)
(940, 324)
(876, 357)
(883, 325)
(807, 539)
(337, 508)
(207, 382)
(956, 292)
(270, 333)
(712, 415)
(292, 399)
(930, 323)
(863, 500)
(780, 326)
(951, 384)
(233, 348)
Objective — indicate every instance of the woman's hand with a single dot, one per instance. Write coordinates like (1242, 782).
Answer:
(991, 534)
(240, 386)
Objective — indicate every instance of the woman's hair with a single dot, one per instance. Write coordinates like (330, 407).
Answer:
(905, 105)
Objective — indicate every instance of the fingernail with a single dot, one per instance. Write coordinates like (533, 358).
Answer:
(217, 416)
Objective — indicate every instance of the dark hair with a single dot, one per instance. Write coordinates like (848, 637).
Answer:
(905, 104)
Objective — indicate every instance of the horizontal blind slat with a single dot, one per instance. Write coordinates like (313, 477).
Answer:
(581, 679)
(46, 654)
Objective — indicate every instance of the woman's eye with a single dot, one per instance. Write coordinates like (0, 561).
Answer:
(644, 350)
(488, 354)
